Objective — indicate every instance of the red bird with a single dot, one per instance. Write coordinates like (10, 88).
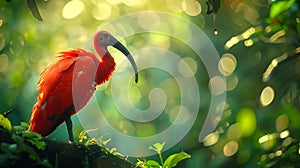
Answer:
(67, 84)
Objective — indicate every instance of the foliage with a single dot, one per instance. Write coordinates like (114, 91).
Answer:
(286, 155)
(5, 123)
(32, 6)
(262, 36)
(279, 7)
(170, 162)
(35, 139)
(21, 146)
(83, 139)
(281, 30)
(21, 138)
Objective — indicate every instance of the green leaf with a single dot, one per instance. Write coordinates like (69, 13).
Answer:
(34, 10)
(24, 125)
(105, 142)
(279, 7)
(152, 164)
(157, 147)
(175, 158)
(27, 134)
(112, 150)
(7, 153)
(23, 147)
(35, 139)
(141, 163)
(38, 144)
(82, 136)
(5, 123)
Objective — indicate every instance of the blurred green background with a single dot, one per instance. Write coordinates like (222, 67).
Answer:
(257, 40)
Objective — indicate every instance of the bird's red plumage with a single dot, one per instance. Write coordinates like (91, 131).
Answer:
(69, 81)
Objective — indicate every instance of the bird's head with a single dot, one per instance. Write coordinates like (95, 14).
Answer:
(103, 39)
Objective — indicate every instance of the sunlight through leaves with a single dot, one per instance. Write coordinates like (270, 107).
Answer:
(267, 96)
(230, 148)
(72, 9)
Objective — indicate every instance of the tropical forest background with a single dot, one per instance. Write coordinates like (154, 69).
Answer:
(259, 46)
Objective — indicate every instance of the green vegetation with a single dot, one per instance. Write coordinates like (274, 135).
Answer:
(18, 145)
(258, 43)
(171, 161)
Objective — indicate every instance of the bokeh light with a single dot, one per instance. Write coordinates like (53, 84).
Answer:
(184, 116)
(233, 132)
(192, 65)
(282, 122)
(101, 11)
(132, 2)
(159, 40)
(287, 141)
(147, 21)
(248, 43)
(243, 36)
(227, 64)
(284, 134)
(251, 44)
(267, 96)
(232, 82)
(191, 7)
(217, 85)
(211, 139)
(267, 141)
(230, 148)
(174, 5)
(72, 9)
(246, 120)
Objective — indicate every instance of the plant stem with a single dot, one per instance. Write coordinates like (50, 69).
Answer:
(161, 159)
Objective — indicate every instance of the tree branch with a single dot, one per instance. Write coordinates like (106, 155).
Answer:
(56, 154)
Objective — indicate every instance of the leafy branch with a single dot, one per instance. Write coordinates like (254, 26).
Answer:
(33, 8)
(21, 148)
(170, 162)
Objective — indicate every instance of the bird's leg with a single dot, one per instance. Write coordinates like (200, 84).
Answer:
(69, 127)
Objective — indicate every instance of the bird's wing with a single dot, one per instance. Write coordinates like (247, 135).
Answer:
(68, 79)
(51, 75)
(84, 84)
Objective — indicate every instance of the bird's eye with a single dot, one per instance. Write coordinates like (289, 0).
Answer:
(101, 38)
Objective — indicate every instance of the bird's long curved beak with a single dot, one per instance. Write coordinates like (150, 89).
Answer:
(118, 45)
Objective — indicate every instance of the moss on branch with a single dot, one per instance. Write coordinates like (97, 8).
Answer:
(17, 150)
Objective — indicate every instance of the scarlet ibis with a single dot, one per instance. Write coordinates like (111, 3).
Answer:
(67, 84)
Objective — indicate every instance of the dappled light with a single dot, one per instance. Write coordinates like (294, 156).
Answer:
(223, 76)
(72, 9)
(102, 11)
(230, 148)
(217, 85)
(245, 35)
(227, 64)
(282, 122)
(191, 7)
(267, 96)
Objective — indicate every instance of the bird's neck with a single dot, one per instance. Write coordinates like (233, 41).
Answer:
(105, 69)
